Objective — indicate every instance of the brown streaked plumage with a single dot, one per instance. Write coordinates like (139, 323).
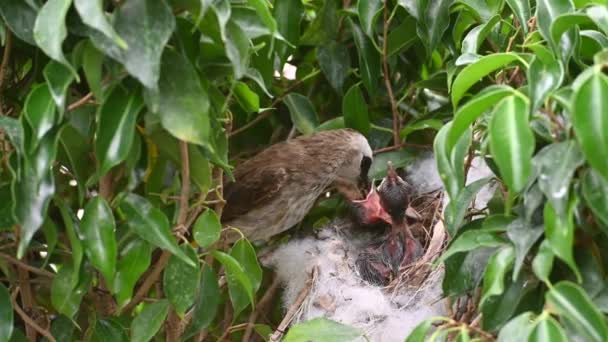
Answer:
(275, 189)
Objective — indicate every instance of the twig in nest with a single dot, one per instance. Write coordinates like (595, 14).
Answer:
(28, 320)
(261, 306)
(293, 309)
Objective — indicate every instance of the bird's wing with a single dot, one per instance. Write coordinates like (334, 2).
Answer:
(252, 191)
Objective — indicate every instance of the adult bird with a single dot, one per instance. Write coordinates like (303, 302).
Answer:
(275, 189)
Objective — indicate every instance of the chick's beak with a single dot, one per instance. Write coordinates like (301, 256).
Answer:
(371, 209)
(391, 174)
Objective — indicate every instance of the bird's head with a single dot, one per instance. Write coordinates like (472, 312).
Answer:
(393, 194)
(359, 161)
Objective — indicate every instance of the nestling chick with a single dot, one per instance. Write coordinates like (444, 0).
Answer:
(275, 189)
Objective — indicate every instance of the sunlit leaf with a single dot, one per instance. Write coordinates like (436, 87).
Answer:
(560, 234)
(547, 12)
(58, 78)
(517, 329)
(322, 329)
(207, 228)
(243, 252)
(547, 329)
(521, 9)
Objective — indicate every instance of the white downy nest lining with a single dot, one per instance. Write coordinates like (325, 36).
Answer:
(338, 293)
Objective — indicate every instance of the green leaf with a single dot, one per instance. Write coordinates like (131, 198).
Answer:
(433, 22)
(71, 227)
(76, 148)
(595, 193)
(288, 15)
(457, 208)
(420, 331)
(368, 11)
(243, 252)
(434, 124)
(547, 12)
(50, 30)
(207, 302)
(207, 229)
(247, 98)
(6, 314)
(450, 162)
(494, 278)
(239, 285)
(573, 304)
(590, 119)
(108, 330)
(518, 328)
(149, 321)
(145, 37)
(134, 260)
(58, 78)
(399, 159)
(521, 9)
(39, 111)
(65, 297)
(92, 63)
(470, 240)
(181, 280)
(555, 165)
(599, 15)
(323, 28)
(473, 40)
(369, 59)
(303, 114)
(114, 135)
(334, 61)
(261, 7)
(92, 14)
(183, 105)
(14, 131)
(547, 329)
(97, 229)
(498, 310)
(62, 328)
(402, 36)
(524, 236)
(544, 76)
(20, 17)
(560, 234)
(565, 22)
(322, 329)
(473, 73)
(543, 262)
(512, 141)
(150, 224)
(354, 110)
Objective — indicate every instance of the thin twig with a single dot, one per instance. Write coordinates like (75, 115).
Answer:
(148, 282)
(261, 306)
(293, 309)
(266, 113)
(5, 59)
(387, 79)
(25, 266)
(80, 102)
(28, 321)
(398, 146)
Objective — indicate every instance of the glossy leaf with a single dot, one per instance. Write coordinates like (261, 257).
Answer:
(518, 329)
(477, 35)
(303, 114)
(50, 30)
(149, 321)
(334, 61)
(248, 99)
(181, 281)
(566, 22)
(150, 224)
(547, 329)
(450, 162)
(183, 105)
(555, 165)
(434, 124)
(92, 14)
(433, 22)
(322, 329)
(402, 36)
(367, 10)
(97, 229)
(420, 331)
(369, 59)
(288, 15)
(243, 252)
(559, 233)
(590, 119)
(499, 310)
(543, 262)
(20, 17)
(58, 79)
(117, 117)
(92, 63)
(512, 141)
(65, 297)
(6, 314)
(108, 330)
(40, 111)
(354, 110)
(457, 207)
(547, 12)
(239, 286)
(71, 228)
(135, 258)
(473, 73)
(595, 193)
(207, 302)
(524, 236)
(599, 15)
(572, 303)
(496, 270)
(76, 148)
(521, 9)
(146, 38)
(544, 76)
(207, 229)
(472, 239)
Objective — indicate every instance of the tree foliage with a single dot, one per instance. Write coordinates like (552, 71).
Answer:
(121, 119)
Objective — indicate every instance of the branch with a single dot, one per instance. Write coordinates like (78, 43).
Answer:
(261, 306)
(387, 80)
(398, 146)
(5, 59)
(82, 101)
(30, 322)
(27, 267)
(148, 282)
